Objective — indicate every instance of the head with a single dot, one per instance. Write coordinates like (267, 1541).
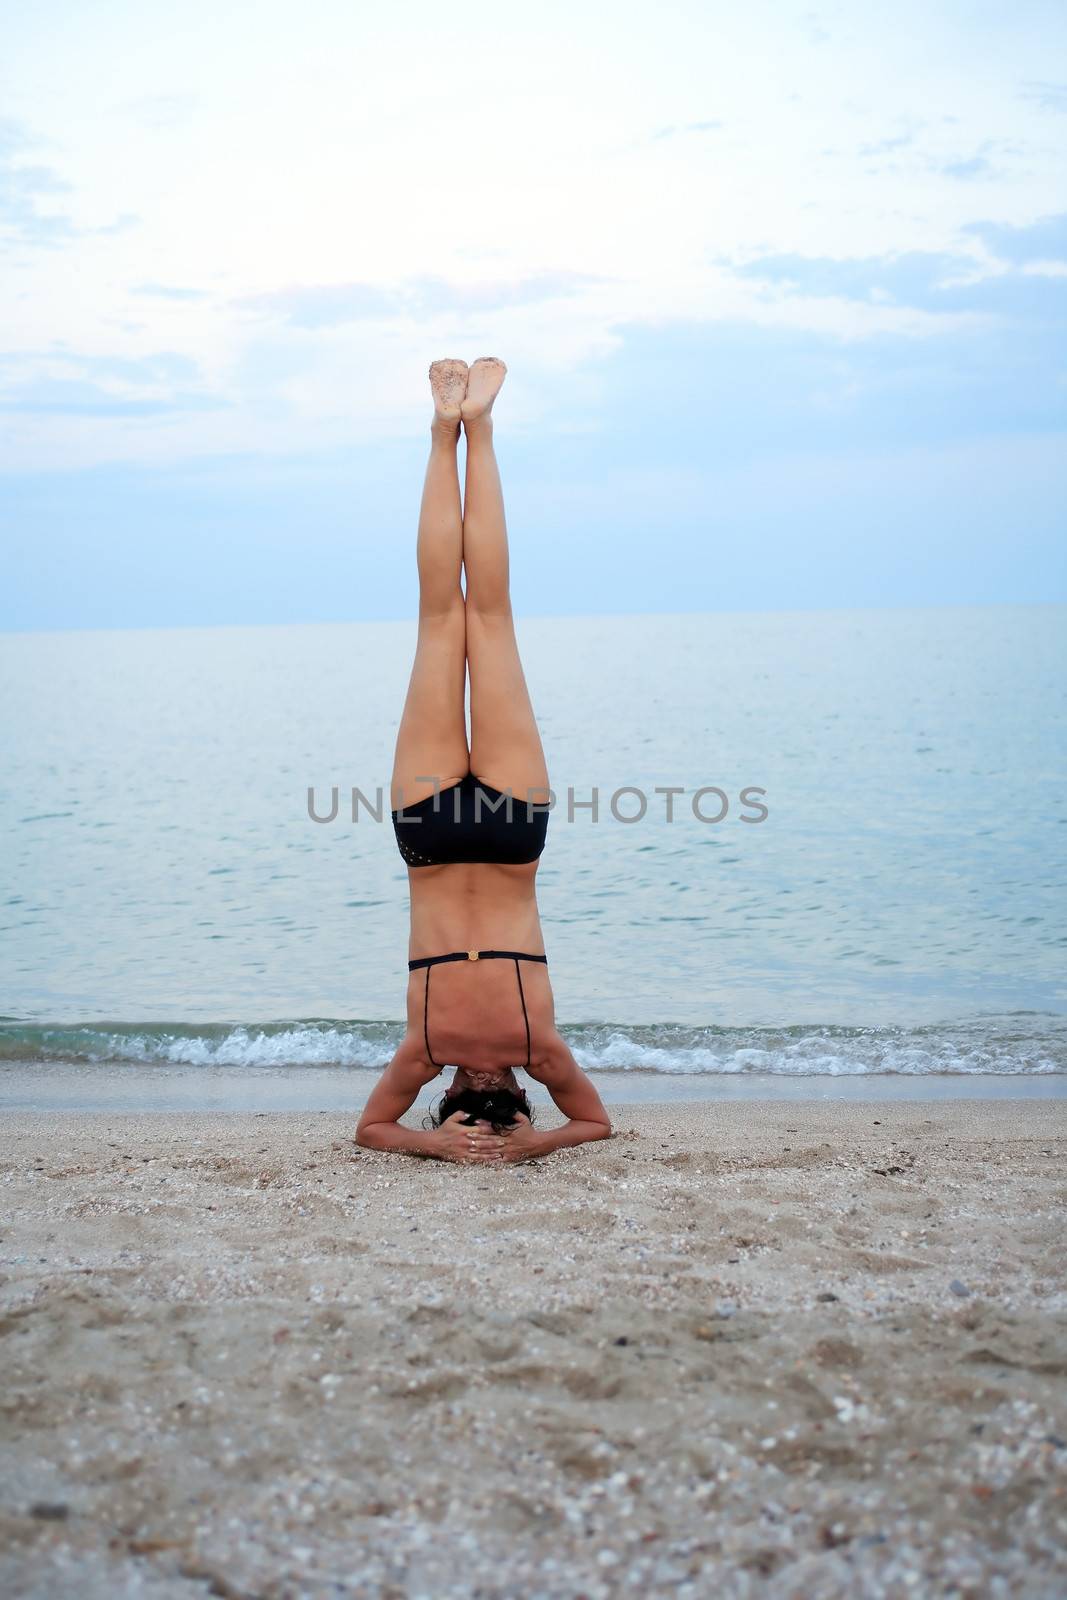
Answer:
(500, 1107)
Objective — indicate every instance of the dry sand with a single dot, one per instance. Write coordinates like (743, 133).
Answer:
(737, 1350)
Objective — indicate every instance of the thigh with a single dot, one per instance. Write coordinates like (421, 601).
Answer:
(432, 739)
(506, 750)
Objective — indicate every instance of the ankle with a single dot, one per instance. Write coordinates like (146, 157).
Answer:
(444, 432)
(479, 428)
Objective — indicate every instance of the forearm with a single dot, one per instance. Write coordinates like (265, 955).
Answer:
(575, 1131)
(404, 1141)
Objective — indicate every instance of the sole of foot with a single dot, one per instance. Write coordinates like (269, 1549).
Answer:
(448, 381)
(483, 385)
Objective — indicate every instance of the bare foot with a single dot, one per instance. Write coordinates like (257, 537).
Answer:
(483, 385)
(448, 380)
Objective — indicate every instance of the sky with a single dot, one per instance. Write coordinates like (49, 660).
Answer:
(782, 291)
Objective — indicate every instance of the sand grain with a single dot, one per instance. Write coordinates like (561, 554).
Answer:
(721, 1352)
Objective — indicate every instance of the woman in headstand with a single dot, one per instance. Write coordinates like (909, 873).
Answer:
(471, 823)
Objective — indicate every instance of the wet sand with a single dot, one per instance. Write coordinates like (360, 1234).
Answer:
(772, 1348)
(128, 1086)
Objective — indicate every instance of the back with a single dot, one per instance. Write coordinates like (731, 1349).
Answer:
(486, 1014)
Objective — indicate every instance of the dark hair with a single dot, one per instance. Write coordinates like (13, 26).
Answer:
(499, 1107)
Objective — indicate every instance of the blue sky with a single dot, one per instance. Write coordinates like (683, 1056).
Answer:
(782, 291)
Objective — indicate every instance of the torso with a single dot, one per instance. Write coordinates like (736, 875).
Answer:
(475, 1017)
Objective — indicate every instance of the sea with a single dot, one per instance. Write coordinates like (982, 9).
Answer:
(797, 845)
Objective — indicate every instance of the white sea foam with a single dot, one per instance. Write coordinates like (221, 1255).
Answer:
(1033, 1044)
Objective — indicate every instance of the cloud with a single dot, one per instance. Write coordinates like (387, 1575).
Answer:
(815, 32)
(168, 291)
(1043, 240)
(122, 223)
(676, 130)
(326, 305)
(434, 294)
(907, 279)
(937, 281)
(881, 147)
(62, 382)
(26, 185)
(160, 110)
(796, 469)
(744, 390)
(1053, 96)
(70, 397)
(972, 167)
(23, 186)
(329, 305)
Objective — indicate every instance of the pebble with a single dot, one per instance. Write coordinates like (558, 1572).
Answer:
(959, 1288)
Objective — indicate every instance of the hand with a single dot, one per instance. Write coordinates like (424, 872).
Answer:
(520, 1142)
(459, 1140)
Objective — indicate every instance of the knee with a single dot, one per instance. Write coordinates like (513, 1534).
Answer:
(443, 613)
(489, 608)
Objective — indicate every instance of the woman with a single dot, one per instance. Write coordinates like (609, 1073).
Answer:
(470, 823)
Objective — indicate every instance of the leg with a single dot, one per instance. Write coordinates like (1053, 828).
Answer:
(506, 747)
(432, 739)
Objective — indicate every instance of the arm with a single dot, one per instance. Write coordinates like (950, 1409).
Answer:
(574, 1094)
(379, 1127)
(397, 1089)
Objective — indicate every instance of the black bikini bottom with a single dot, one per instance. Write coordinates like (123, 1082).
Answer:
(471, 821)
(473, 955)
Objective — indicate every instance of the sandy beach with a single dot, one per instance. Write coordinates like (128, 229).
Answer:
(776, 1349)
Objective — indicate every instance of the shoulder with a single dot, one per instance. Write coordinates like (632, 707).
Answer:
(411, 1058)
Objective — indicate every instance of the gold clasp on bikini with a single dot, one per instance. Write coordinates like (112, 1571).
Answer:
(472, 955)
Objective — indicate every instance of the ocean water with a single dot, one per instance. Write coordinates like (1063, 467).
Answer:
(167, 898)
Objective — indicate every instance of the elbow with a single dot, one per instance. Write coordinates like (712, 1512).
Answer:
(367, 1136)
(603, 1130)
(550, 1075)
